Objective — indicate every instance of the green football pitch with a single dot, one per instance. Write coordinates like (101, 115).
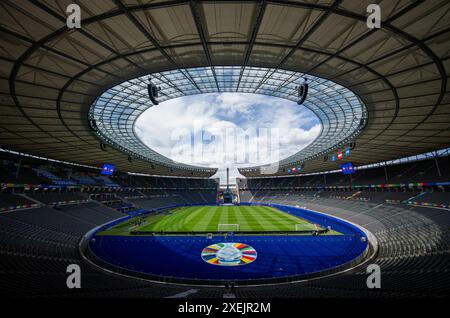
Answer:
(215, 219)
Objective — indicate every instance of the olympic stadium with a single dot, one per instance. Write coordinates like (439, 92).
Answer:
(94, 205)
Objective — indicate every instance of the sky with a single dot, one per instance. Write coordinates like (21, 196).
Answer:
(221, 130)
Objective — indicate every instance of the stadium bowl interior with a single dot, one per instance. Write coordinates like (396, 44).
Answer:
(70, 98)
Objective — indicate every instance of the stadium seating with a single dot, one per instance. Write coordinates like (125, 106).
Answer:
(59, 197)
(42, 172)
(402, 173)
(84, 180)
(38, 243)
(155, 199)
(8, 173)
(8, 200)
(413, 241)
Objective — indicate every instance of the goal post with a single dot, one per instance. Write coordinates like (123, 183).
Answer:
(306, 227)
(228, 227)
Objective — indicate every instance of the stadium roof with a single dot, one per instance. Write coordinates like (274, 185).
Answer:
(51, 75)
(116, 110)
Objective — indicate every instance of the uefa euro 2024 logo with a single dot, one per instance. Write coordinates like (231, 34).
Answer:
(229, 254)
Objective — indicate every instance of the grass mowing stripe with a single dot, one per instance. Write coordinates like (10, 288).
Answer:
(195, 213)
(180, 220)
(233, 216)
(169, 222)
(242, 220)
(202, 218)
(259, 220)
(254, 224)
(162, 225)
(291, 218)
(304, 225)
(284, 220)
(192, 221)
(173, 222)
(287, 218)
(215, 215)
(272, 220)
(223, 215)
(151, 222)
(207, 218)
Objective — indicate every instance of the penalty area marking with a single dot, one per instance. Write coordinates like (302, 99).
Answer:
(229, 227)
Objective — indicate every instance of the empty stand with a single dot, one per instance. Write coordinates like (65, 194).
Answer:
(37, 244)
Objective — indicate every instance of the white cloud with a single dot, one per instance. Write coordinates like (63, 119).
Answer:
(204, 129)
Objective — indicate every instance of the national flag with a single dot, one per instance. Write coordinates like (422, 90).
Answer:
(347, 152)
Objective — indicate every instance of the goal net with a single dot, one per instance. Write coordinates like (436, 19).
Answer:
(306, 227)
(228, 227)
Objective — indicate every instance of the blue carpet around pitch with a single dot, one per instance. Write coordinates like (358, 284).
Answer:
(180, 256)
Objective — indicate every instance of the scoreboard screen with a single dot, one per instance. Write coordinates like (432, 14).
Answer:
(348, 168)
(108, 169)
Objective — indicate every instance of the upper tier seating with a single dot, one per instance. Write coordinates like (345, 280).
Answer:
(8, 174)
(52, 177)
(405, 173)
(102, 180)
(84, 180)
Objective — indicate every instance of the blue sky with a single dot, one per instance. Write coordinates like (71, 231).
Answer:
(227, 130)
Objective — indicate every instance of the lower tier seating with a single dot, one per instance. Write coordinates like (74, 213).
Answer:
(36, 246)
(414, 249)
